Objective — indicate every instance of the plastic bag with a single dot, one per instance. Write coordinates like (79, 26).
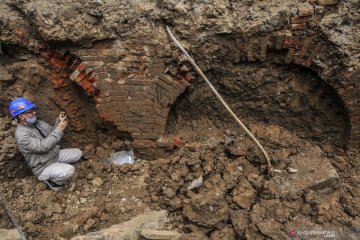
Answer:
(122, 157)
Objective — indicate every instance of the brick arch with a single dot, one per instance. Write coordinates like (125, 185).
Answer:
(306, 48)
(134, 84)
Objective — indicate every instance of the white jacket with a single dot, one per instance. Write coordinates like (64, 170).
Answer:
(38, 152)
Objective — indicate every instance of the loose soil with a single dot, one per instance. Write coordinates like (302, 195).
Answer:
(234, 199)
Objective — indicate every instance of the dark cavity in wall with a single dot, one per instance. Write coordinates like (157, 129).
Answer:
(269, 92)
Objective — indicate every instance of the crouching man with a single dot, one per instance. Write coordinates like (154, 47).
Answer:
(37, 142)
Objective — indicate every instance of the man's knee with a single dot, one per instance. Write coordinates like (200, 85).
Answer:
(65, 176)
(69, 155)
(70, 171)
(78, 153)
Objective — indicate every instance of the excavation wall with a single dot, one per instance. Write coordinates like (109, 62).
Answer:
(111, 65)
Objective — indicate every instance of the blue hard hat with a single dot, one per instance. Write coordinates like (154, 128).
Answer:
(19, 106)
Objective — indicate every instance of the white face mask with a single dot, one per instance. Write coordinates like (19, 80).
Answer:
(31, 120)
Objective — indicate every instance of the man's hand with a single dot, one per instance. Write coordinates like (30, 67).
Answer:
(63, 124)
(62, 116)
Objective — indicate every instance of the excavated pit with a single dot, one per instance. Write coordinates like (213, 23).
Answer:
(289, 70)
(289, 96)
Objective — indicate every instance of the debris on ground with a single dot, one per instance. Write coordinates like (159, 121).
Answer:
(288, 69)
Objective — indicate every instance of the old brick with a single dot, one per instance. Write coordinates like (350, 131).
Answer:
(166, 78)
(90, 76)
(169, 88)
(113, 71)
(82, 66)
(297, 27)
(109, 59)
(314, 21)
(80, 77)
(156, 71)
(143, 144)
(326, 2)
(90, 58)
(131, 58)
(101, 46)
(138, 82)
(161, 112)
(305, 9)
(95, 64)
(178, 86)
(163, 53)
(113, 52)
(74, 75)
(88, 70)
(130, 88)
(144, 96)
(137, 107)
(298, 20)
(167, 144)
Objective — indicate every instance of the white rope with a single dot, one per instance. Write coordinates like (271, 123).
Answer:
(198, 70)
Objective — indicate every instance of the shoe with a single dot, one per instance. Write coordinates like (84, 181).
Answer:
(53, 186)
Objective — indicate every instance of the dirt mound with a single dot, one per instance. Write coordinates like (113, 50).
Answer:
(236, 193)
(214, 189)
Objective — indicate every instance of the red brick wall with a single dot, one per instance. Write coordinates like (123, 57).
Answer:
(135, 82)
(138, 82)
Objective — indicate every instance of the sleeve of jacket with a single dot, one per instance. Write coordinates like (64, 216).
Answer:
(48, 127)
(57, 121)
(28, 144)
